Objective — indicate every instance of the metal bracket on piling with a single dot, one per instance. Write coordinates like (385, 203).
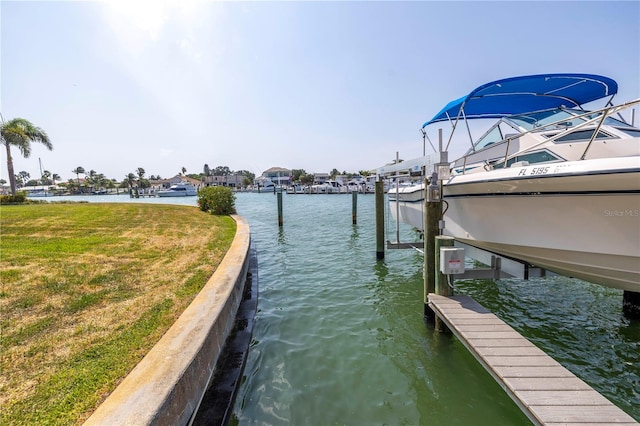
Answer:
(492, 273)
(399, 245)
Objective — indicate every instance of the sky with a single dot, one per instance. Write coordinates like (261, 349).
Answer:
(163, 85)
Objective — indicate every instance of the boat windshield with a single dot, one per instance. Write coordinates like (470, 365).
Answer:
(540, 119)
(610, 121)
(497, 133)
(562, 118)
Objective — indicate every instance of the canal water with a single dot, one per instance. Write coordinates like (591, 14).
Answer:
(340, 339)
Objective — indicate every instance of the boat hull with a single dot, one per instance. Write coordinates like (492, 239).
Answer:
(175, 194)
(179, 190)
(579, 219)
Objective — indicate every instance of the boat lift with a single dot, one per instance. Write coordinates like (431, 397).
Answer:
(498, 266)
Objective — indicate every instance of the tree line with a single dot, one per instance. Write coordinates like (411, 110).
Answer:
(20, 134)
(300, 176)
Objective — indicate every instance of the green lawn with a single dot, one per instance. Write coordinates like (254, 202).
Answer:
(86, 290)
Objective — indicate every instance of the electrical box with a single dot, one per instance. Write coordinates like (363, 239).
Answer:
(451, 260)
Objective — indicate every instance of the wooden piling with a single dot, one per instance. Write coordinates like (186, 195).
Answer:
(631, 304)
(433, 210)
(280, 220)
(379, 189)
(354, 207)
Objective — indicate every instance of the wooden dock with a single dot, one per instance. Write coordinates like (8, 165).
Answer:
(547, 393)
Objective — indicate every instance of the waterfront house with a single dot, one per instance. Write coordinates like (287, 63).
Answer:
(320, 178)
(278, 175)
(233, 180)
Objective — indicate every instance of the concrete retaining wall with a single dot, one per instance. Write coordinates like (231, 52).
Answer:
(166, 386)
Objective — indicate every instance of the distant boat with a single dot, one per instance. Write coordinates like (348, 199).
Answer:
(550, 183)
(295, 189)
(266, 186)
(327, 187)
(182, 189)
(39, 192)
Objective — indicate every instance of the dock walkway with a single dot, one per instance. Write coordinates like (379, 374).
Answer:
(547, 393)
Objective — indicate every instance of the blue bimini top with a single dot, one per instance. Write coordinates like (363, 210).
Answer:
(531, 93)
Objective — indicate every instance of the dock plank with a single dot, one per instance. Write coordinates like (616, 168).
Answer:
(532, 372)
(482, 327)
(518, 384)
(581, 414)
(548, 393)
(495, 343)
(521, 360)
(563, 397)
(526, 350)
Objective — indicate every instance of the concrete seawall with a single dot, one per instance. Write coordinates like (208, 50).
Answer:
(165, 388)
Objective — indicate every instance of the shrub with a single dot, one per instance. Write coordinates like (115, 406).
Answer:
(19, 198)
(219, 200)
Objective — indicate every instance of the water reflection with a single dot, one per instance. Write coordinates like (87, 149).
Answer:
(380, 270)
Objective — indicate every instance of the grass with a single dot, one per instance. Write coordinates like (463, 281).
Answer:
(86, 290)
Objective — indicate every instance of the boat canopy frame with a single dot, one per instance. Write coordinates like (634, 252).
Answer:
(531, 93)
(589, 118)
(525, 94)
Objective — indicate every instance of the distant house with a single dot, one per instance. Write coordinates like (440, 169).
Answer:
(233, 180)
(350, 179)
(278, 175)
(320, 178)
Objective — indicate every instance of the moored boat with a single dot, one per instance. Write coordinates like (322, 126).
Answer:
(182, 189)
(549, 183)
(37, 192)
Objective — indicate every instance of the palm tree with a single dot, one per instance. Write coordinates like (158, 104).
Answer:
(23, 177)
(130, 179)
(77, 171)
(109, 184)
(20, 133)
(55, 177)
(46, 175)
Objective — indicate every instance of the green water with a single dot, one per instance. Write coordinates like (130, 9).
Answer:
(340, 337)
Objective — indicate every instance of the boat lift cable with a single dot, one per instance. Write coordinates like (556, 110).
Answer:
(446, 207)
(397, 226)
(386, 221)
(425, 136)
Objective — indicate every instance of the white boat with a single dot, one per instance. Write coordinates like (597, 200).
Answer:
(295, 189)
(182, 189)
(549, 183)
(37, 192)
(264, 185)
(327, 187)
